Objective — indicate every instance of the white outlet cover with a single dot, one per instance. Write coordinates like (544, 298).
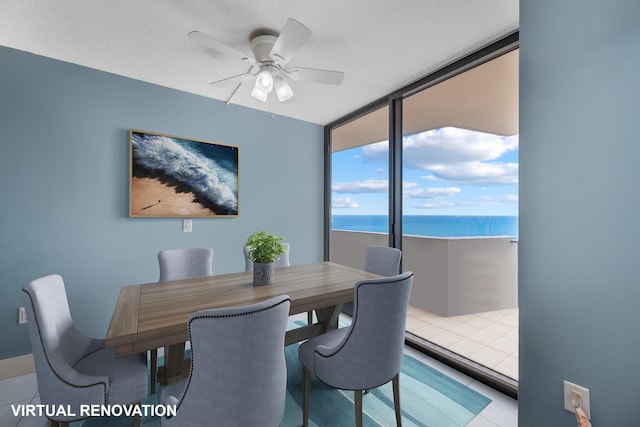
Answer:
(187, 226)
(22, 316)
(584, 392)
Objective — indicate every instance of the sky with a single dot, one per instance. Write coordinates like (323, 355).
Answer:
(447, 171)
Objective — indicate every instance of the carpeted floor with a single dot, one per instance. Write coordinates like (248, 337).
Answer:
(428, 398)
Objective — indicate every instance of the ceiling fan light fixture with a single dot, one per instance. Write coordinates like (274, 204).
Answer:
(283, 90)
(263, 85)
(259, 94)
(264, 80)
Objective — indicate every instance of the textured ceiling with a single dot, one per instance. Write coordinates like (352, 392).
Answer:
(381, 45)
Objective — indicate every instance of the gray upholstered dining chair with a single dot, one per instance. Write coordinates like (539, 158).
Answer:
(238, 373)
(72, 368)
(381, 260)
(178, 264)
(282, 261)
(366, 354)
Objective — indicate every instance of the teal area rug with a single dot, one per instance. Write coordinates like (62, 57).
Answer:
(428, 398)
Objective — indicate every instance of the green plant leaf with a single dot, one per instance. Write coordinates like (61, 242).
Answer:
(265, 247)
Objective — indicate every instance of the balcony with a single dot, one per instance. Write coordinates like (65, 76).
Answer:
(464, 296)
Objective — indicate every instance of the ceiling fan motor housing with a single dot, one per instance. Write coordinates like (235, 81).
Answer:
(261, 47)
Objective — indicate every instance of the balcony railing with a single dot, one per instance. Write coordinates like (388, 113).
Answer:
(453, 276)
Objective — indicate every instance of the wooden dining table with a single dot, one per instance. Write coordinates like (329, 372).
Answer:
(154, 315)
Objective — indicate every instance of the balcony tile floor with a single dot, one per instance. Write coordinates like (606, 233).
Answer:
(490, 338)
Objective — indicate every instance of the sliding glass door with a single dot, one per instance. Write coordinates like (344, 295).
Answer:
(359, 187)
(460, 213)
(433, 170)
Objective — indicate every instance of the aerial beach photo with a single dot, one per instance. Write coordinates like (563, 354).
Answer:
(159, 198)
(172, 176)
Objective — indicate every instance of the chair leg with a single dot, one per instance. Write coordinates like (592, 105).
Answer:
(306, 390)
(357, 394)
(396, 399)
(154, 370)
(137, 420)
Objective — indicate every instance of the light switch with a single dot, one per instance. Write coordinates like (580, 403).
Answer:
(186, 226)
(575, 394)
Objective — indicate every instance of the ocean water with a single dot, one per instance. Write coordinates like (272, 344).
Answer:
(433, 225)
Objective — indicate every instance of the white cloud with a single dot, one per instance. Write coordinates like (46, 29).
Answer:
(344, 202)
(445, 145)
(368, 186)
(503, 198)
(437, 205)
(452, 146)
(430, 193)
(478, 173)
(377, 152)
(408, 184)
(458, 155)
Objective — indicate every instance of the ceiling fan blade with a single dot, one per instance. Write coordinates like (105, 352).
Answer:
(218, 45)
(233, 80)
(315, 75)
(291, 38)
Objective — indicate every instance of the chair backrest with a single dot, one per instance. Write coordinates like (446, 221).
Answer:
(58, 345)
(382, 260)
(282, 261)
(371, 352)
(177, 264)
(238, 371)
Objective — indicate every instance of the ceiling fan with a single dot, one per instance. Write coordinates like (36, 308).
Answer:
(271, 53)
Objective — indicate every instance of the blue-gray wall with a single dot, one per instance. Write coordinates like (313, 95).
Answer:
(64, 185)
(579, 260)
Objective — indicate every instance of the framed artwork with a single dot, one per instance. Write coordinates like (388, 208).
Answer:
(172, 176)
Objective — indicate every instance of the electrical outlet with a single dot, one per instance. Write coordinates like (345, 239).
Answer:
(187, 227)
(575, 395)
(22, 316)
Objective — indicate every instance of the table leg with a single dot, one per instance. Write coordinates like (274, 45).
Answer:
(174, 361)
(328, 316)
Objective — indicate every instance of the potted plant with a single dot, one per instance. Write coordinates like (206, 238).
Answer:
(264, 249)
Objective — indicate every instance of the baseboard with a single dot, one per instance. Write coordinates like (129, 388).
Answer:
(16, 366)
